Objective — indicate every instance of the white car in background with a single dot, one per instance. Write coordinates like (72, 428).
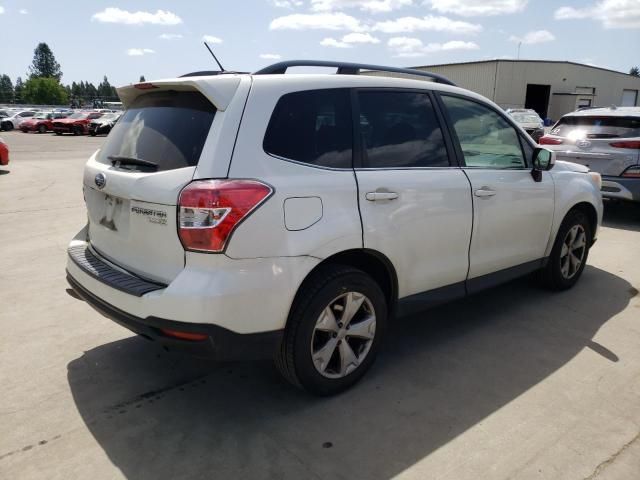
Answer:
(607, 141)
(529, 120)
(250, 215)
(14, 121)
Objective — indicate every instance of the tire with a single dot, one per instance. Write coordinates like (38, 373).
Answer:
(77, 130)
(42, 129)
(92, 133)
(558, 274)
(308, 331)
(8, 126)
(58, 133)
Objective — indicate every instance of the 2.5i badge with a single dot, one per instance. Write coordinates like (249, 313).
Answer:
(153, 216)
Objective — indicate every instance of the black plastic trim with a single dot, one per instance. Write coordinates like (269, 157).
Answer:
(105, 273)
(222, 344)
(483, 282)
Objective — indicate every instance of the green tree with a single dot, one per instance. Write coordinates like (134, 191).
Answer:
(635, 71)
(44, 63)
(6, 89)
(142, 79)
(17, 91)
(104, 89)
(44, 91)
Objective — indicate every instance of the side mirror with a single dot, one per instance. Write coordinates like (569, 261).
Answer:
(543, 160)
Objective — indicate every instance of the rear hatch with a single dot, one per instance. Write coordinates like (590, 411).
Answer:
(606, 144)
(131, 185)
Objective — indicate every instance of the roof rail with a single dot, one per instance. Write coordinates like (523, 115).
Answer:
(347, 68)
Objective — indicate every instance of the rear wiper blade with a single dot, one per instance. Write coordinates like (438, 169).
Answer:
(121, 160)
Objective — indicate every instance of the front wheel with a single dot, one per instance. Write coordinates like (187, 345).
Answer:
(42, 129)
(334, 330)
(570, 251)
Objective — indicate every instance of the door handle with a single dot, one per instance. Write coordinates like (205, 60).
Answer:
(377, 196)
(484, 192)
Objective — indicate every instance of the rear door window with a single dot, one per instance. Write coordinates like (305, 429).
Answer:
(168, 129)
(597, 127)
(312, 127)
(400, 130)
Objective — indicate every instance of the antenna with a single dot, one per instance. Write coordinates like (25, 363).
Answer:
(214, 57)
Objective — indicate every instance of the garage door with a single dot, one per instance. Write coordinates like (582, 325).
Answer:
(629, 98)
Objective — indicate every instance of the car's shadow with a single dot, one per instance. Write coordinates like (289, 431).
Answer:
(622, 215)
(158, 415)
(4, 172)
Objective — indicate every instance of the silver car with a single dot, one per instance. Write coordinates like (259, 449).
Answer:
(607, 140)
(529, 120)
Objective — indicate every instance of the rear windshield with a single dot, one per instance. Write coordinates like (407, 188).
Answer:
(168, 129)
(526, 118)
(597, 127)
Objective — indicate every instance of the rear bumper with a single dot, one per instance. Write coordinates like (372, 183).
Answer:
(621, 188)
(221, 344)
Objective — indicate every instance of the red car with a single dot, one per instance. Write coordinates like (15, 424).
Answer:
(4, 153)
(41, 122)
(76, 123)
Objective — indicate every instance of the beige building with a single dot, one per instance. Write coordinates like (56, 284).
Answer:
(552, 88)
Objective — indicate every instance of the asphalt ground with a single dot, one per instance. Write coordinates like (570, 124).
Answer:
(515, 382)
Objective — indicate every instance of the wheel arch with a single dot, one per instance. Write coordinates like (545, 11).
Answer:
(592, 215)
(373, 263)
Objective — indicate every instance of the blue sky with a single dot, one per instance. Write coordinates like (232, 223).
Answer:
(124, 40)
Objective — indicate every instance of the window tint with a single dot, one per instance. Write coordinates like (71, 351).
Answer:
(312, 127)
(167, 128)
(400, 129)
(487, 139)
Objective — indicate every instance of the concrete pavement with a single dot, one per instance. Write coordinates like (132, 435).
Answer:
(512, 383)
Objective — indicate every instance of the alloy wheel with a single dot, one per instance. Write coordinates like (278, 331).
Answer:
(343, 335)
(574, 248)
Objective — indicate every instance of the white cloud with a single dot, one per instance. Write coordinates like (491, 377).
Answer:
(372, 6)
(430, 22)
(413, 47)
(270, 56)
(350, 40)
(332, 42)
(286, 3)
(211, 39)
(1, 10)
(356, 37)
(472, 8)
(317, 21)
(116, 15)
(23, 11)
(612, 13)
(530, 38)
(170, 36)
(138, 52)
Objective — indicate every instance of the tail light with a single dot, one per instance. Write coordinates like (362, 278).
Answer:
(545, 140)
(632, 172)
(633, 144)
(179, 334)
(210, 210)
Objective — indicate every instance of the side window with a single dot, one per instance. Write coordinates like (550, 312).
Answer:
(400, 130)
(27, 114)
(313, 127)
(528, 151)
(487, 140)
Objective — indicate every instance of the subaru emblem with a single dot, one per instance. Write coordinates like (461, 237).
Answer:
(100, 180)
(584, 144)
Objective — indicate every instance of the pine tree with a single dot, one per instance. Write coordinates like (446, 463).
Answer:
(17, 90)
(635, 71)
(44, 63)
(6, 89)
(142, 79)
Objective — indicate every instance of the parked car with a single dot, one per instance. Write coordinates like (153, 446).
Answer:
(233, 225)
(14, 121)
(76, 123)
(606, 140)
(104, 124)
(4, 153)
(529, 120)
(41, 122)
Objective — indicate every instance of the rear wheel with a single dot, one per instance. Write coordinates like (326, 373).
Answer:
(77, 130)
(334, 330)
(570, 251)
(42, 129)
(8, 126)
(58, 133)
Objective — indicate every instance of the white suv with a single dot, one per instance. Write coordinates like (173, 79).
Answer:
(243, 215)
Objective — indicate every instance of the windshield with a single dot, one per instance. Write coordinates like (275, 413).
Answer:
(597, 127)
(526, 118)
(166, 128)
(109, 116)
